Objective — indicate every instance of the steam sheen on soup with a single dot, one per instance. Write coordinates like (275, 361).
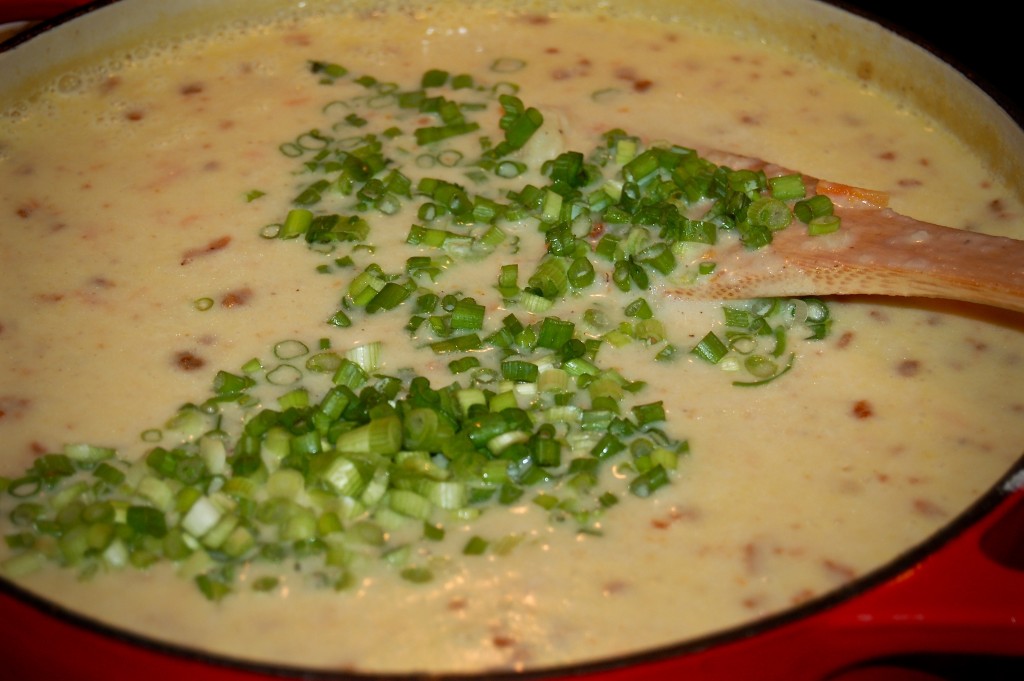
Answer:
(144, 199)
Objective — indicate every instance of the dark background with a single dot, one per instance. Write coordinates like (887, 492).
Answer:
(983, 39)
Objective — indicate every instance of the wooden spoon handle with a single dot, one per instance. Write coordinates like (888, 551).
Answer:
(879, 251)
(876, 251)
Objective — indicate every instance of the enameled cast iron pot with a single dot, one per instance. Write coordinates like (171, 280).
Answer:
(950, 608)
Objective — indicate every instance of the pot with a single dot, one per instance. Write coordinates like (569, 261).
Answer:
(961, 593)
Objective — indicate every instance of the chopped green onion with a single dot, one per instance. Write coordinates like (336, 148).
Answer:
(787, 187)
(816, 206)
(296, 223)
(823, 224)
(711, 348)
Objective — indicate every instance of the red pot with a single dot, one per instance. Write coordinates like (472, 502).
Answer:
(950, 608)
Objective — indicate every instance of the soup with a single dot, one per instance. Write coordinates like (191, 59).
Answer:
(339, 339)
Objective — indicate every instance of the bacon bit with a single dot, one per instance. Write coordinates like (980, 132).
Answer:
(748, 119)
(581, 68)
(236, 298)
(551, 50)
(110, 84)
(299, 39)
(616, 586)
(639, 84)
(26, 209)
(675, 515)
(215, 245)
(186, 361)
(537, 19)
(752, 560)
(135, 115)
(844, 340)
(753, 602)
(502, 641)
(38, 448)
(836, 190)
(862, 409)
(190, 219)
(888, 156)
(13, 406)
(866, 71)
(908, 367)
(801, 596)
(929, 508)
(191, 89)
(844, 572)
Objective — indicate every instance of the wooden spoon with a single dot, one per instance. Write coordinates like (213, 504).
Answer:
(876, 251)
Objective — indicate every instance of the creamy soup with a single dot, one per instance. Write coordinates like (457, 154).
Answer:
(171, 269)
